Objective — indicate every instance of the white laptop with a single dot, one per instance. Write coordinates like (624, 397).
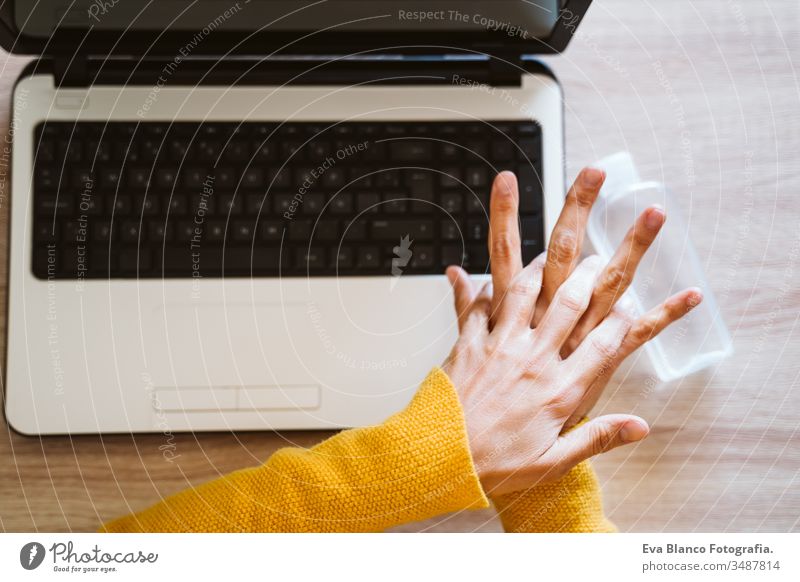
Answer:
(206, 239)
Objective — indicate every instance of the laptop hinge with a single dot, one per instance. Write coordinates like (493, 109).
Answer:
(71, 71)
(504, 73)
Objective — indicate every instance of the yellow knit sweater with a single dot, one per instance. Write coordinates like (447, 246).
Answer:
(414, 466)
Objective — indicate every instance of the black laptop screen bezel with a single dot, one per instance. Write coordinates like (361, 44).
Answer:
(97, 43)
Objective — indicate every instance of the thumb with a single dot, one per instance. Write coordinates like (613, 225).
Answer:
(597, 436)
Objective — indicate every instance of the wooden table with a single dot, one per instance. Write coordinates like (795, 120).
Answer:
(706, 96)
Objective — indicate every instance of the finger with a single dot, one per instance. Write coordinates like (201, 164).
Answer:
(568, 305)
(642, 330)
(657, 319)
(476, 321)
(597, 436)
(504, 238)
(597, 355)
(566, 240)
(464, 292)
(516, 308)
(618, 274)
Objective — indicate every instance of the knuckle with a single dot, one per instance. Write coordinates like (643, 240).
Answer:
(563, 247)
(503, 245)
(584, 196)
(522, 285)
(606, 348)
(505, 200)
(602, 440)
(644, 331)
(572, 298)
(614, 279)
(561, 401)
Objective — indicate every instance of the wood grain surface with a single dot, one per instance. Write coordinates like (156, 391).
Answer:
(706, 96)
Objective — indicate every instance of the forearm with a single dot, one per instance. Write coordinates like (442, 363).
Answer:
(414, 466)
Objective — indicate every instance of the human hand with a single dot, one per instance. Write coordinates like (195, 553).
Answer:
(563, 253)
(518, 389)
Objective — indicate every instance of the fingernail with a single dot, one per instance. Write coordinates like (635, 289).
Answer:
(694, 298)
(592, 177)
(654, 218)
(633, 431)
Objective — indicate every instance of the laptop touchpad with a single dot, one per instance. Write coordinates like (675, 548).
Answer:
(215, 345)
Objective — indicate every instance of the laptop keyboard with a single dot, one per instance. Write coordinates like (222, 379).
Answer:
(202, 199)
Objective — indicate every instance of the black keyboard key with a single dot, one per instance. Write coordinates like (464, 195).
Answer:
(395, 203)
(160, 233)
(327, 230)
(450, 230)
(342, 203)
(110, 179)
(530, 190)
(46, 231)
(271, 230)
(531, 148)
(391, 230)
(146, 205)
(333, 178)
(452, 255)
(410, 151)
(420, 184)
(452, 202)
(229, 204)
(449, 152)
(238, 151)
(300, 230)
(50, 204)
(477, 177)
(243, 231)
(503, 151)
(423, 257)
(133, 261)
(166, 179)
(368, 203)
(139, 178)
(342, 257)
(46, 178)
(214, 231)
(369, 257)
(283, 203)
(178, 205)
(476, 258)
(130, 231)
(312, 259)
(103, 231)
(313, 204)
(451, 177)
(121, 205)
(532, 236)
(254, 178)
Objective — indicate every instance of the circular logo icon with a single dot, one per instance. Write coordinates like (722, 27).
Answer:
(31, 555)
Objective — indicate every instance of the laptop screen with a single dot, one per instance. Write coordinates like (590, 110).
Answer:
(520, 19)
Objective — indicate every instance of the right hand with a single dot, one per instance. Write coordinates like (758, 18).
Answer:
(518, 388)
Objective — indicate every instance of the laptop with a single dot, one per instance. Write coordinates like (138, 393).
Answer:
(236, 216)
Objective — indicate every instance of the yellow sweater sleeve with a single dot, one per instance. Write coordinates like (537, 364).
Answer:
(414, 466)
(572, 504)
